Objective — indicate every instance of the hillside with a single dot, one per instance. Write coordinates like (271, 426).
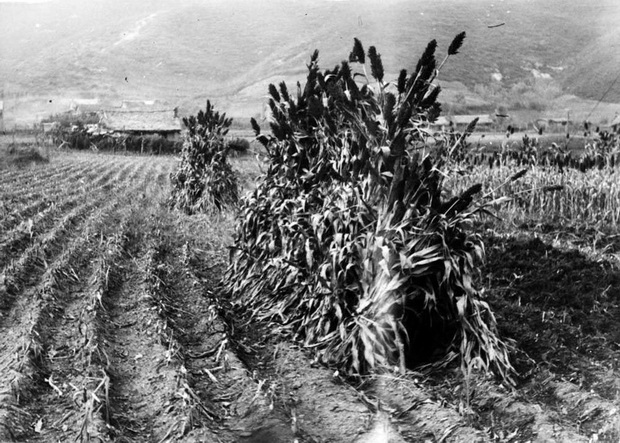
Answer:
(188, 51)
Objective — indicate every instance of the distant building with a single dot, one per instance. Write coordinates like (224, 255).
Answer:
(558, 124)
(50, 127)
(141, 105)
(460, 122)
(85, 106)
(558, 121)
(165, 123)
(615, 124)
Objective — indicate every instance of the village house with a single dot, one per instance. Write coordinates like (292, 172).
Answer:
(485, 122)
(460, 122)
(441, 124)
(615, 124)
(558, 124)
(165, 123)
(85, 106)
(140, 105)
(49, 127)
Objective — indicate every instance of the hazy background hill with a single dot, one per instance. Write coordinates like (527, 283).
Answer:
(186, 51)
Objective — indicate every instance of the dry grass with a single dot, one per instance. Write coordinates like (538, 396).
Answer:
(548, 197)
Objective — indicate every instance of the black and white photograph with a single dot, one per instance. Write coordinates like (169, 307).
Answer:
(309, 221)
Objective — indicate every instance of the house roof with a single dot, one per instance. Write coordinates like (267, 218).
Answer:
(615, 121)
(462, 120)
(466, 119)
(143, 105)
(48, 127)
(88, 108)
(141, 121)
(558, 120)
(441, 121)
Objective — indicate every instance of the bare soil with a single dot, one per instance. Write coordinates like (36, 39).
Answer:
(112, 328)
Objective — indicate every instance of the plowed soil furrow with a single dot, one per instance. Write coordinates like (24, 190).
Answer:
(37, 184)
(148, 399)
(51, 186)
(217, 376)
(23, 271)
(199, 411)
(17, 178)
(12, 205)
(8, 175)
(71, 400)
(279, 398)
(90, 175)
(20, 237)
(28, 328)
(146, 393)
(81, 322)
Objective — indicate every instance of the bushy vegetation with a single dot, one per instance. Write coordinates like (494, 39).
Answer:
(143, 144)
(204, 180)
(578, 193)
(351, 241)
(72, 132)
(22, 156)
(68, 119)
(535, 94)
(598, 150)
(239, 145)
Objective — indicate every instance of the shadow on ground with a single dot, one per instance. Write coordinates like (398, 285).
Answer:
(560, 306)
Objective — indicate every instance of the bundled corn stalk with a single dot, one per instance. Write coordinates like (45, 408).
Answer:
(348, 241)
(204, 180)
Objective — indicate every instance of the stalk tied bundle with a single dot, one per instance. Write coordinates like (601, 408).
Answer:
(349, 240)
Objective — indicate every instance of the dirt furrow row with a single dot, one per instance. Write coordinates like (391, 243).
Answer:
(37, 181)
(81, 316)
(28, 323)
(201, 414)
(24, 271)
(91, 416)
(12, 204)
(98, 413)
(18, 239)
(217, 374)
(553, 410)
(18, 177)
(85, 181)
(147, 398)
(94, 416)
(32, 192)
(244, 406)
(37, 255)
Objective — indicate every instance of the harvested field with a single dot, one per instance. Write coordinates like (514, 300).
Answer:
(110, 323)
(112, 329)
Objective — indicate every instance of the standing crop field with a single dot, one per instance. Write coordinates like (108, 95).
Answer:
(113, 328)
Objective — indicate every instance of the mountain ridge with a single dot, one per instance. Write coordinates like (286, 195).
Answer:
(188, 51)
